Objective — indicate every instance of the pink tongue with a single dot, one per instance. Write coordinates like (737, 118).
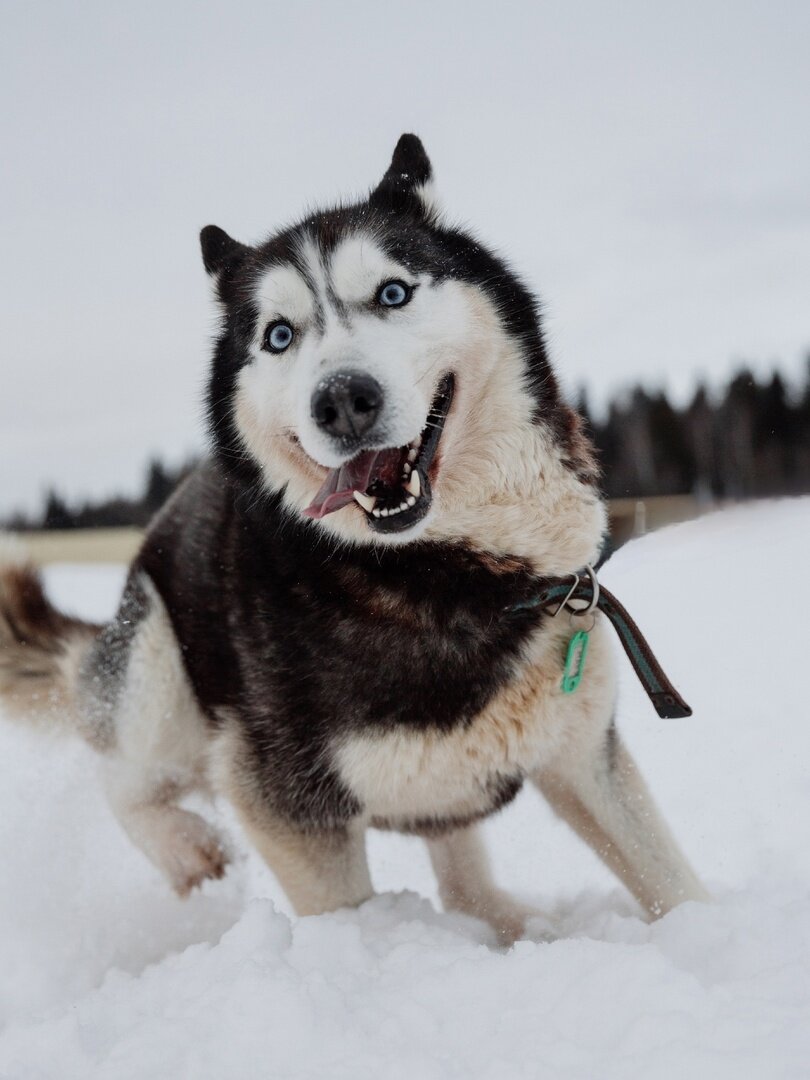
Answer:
(336, 490)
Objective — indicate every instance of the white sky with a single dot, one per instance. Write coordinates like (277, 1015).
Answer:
(646, 166)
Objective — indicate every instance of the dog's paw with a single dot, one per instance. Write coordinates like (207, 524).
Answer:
(193, 853)
(205, 862)
(512, 921)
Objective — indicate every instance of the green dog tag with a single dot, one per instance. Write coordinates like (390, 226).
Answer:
(575, 661)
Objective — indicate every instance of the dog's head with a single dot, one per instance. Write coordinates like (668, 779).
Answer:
(381, 369)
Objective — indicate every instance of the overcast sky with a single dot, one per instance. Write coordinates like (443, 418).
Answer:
(646, 166)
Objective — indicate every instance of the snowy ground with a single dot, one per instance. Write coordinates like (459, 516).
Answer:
(103, 973)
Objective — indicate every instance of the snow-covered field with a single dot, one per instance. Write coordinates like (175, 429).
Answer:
(103, 973)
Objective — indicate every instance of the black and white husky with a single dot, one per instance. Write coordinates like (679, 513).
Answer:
(321, 624)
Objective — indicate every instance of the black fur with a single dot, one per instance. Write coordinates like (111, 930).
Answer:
(409, 170)
(220, 251)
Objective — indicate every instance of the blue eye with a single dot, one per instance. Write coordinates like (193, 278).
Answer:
(278, 337)
(394, 294)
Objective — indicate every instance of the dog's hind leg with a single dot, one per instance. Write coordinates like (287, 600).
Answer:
(137, 695)
(466, 885)
(599, 791)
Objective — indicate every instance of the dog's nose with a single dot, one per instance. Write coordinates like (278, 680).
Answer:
(347, 404)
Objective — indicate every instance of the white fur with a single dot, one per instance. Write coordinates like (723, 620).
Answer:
(319, 275)
(160, 754)
(274, 392)
(282, 293)
(359, 266)
(158, 722)
(428, 195)
(605, 800)
(461, 866)
(501, 486)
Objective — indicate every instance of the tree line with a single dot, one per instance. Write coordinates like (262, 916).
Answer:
(118, 510)
(750, 439)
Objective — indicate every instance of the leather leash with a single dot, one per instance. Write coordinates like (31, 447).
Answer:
(556, 595)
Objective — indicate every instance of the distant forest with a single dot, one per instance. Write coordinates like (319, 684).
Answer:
(751, 439)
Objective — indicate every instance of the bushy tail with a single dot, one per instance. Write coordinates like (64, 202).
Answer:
(41, 650)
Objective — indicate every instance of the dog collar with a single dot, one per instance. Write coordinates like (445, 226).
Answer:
(557, 594)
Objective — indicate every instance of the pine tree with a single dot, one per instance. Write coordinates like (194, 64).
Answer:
(57, 514)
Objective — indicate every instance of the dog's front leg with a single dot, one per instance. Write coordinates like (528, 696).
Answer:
(596, 787)
(319, 870)
(465, 882)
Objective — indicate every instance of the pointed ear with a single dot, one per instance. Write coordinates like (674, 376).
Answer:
(220, 252)
(408, 179)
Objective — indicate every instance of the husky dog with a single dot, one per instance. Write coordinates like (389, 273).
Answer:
(324, 622)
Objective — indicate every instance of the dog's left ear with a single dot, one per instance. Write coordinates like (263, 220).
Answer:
(408, 183)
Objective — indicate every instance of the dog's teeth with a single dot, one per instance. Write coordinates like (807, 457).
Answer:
(406, 468)
(413, 453)
(413, 486)
(411, 501)
(394, 510)
(384, 512)
(376, 513)
(368, 502)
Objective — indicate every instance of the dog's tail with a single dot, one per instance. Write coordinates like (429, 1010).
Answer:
(41, 649)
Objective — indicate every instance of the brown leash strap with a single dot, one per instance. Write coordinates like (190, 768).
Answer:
(557, 594)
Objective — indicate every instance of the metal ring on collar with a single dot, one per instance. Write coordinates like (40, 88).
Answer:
(594, 601)
(595, 586)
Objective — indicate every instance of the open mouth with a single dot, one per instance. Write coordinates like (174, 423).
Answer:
(391, 486)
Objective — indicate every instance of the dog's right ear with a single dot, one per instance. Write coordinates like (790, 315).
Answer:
(220, 252)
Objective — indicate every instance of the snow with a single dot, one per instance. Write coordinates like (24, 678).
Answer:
(103, 973)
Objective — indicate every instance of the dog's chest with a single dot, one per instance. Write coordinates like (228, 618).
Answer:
(424, 706)
(410, 778)
(360, 656)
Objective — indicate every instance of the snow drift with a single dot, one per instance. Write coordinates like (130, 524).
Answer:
(103, 973)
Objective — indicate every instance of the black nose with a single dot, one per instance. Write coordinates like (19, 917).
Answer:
(347, 404)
